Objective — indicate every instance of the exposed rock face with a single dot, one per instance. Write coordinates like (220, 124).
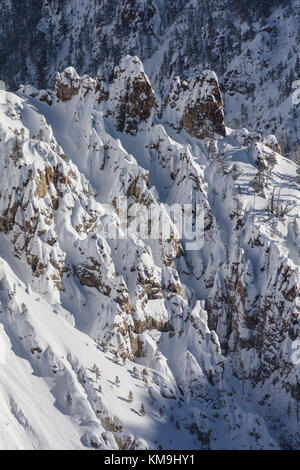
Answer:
(271, 142)
(131, 96)
(67, 84)
(196, 105)
(215, 325)
(129, 100)
(244, 43)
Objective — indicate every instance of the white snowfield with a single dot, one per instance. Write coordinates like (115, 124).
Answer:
(203, 339)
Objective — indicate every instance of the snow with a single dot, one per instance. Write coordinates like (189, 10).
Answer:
(72, 297)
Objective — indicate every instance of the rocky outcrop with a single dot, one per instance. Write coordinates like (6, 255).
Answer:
(196, 106)
(67, 84)
(131, 101)
(218, 320)
(180, 38)
(271, 142)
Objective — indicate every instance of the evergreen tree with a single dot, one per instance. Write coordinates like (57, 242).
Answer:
(142, 410)
(130, 397)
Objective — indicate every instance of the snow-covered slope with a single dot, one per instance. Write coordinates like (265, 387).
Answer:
(204, 339)
(252, 46)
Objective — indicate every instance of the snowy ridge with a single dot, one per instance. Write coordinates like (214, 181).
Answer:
(211, 332)
(253, 47)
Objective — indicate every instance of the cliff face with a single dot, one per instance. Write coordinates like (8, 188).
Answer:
(196, 106)
(251, 46)
(209, 335)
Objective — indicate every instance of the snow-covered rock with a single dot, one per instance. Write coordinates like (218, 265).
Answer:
(204, 338)
(252, 46)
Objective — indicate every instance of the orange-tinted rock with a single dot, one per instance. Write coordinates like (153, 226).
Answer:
(196, 106)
